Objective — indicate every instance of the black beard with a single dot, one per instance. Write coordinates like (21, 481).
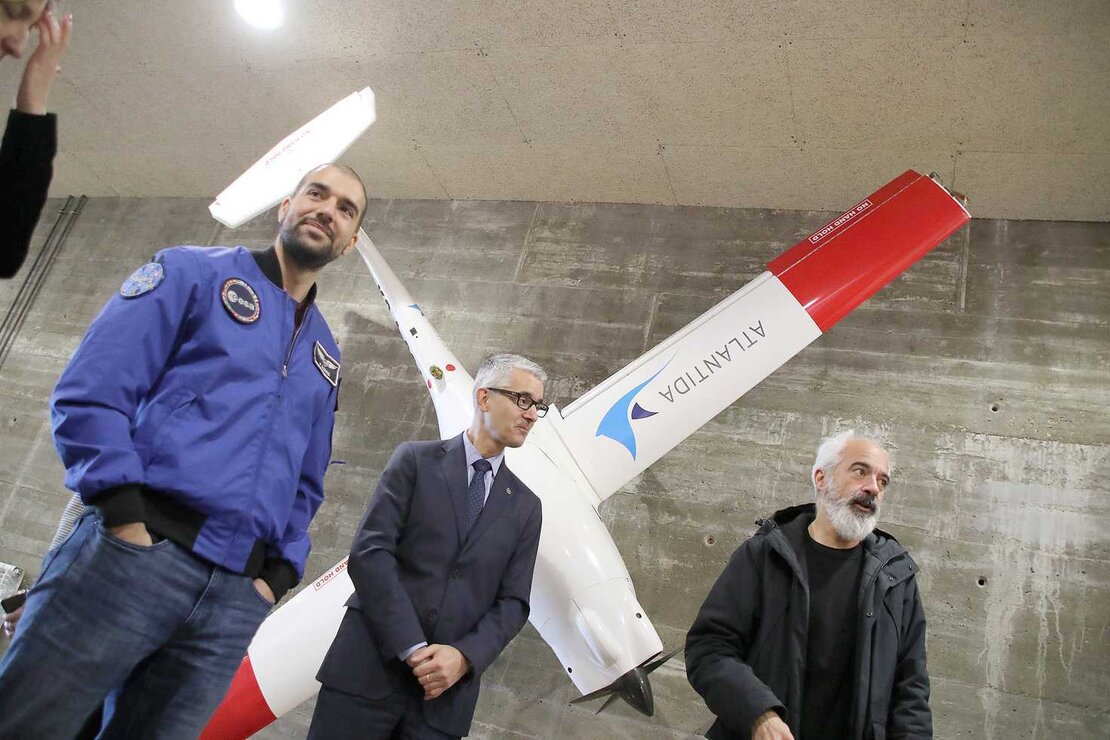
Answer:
(303, 255)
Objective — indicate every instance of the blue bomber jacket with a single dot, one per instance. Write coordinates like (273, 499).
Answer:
(196, 404)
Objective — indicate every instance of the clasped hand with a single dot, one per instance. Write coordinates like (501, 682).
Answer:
(437, 668)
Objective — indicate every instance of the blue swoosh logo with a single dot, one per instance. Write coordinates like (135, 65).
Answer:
(617, 426)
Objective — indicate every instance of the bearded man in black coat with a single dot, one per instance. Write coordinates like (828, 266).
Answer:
(815, 628)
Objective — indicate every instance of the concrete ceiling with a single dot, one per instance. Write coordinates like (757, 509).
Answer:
(792, 104)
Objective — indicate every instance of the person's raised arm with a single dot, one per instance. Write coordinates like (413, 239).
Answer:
(42, 67)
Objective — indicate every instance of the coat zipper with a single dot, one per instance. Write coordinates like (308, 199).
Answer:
(293, 343)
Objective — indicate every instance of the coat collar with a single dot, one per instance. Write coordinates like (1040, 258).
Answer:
(793, 519)
(268, 263)
(472, 456)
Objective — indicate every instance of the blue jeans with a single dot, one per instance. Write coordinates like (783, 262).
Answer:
(152, 632)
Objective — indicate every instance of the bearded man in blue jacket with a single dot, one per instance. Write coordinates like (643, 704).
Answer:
(195, 422)
(815, 628)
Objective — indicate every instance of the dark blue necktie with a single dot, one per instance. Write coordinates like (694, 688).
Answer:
(476, 494)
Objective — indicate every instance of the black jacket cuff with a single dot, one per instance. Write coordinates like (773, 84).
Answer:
(280, 576)
(120, 505)
(30, 140)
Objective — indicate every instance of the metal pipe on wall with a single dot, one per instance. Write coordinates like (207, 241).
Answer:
(36, 275)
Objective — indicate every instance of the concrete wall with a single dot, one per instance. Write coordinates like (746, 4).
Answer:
(984, 368)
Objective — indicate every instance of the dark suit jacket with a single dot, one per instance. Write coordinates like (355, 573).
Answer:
(417, 579)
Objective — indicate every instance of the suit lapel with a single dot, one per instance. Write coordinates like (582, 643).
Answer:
(499, 501)
(452, 465)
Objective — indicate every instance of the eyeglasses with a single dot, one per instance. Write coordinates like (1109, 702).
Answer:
(524, 401)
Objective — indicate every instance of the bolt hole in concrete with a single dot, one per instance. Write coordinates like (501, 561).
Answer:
(710, 540)
(994, 407)
(982, 581)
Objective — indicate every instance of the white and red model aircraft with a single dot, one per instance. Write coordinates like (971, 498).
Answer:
(583, 602)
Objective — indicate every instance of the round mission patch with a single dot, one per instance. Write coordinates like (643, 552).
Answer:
(241, 301)
(145, 279)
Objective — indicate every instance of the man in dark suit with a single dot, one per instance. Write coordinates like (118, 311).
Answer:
(442, 565)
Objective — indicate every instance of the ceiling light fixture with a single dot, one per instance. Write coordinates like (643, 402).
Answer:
(265, 14)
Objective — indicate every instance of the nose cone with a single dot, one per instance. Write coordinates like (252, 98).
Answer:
(636, 690)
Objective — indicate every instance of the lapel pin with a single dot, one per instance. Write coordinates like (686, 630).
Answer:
(509, 491)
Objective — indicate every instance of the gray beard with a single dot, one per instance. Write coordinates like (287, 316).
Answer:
(848, 523)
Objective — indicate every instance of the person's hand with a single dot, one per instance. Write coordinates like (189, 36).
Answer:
(42, 67)
(769, 726)
(136, 533)
(10, 621)
(413, 660)
(264, 589)
(438, 668)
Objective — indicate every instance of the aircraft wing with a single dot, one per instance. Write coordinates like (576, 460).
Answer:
(271, 178)
(633, 418)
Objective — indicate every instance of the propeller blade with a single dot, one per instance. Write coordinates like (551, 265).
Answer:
(612, 698)
(597, 694)
(649, 667)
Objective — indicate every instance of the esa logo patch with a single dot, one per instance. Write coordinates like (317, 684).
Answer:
(241, 301)
(145, 279)
(326, 364)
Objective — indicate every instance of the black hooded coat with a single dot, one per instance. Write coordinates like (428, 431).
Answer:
(746, 651)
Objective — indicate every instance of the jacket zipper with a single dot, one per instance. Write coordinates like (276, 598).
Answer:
(293, 343)
(270, 426)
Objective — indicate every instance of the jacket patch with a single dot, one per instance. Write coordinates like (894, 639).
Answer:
(241, 301)
(145, 279)
(326, 364)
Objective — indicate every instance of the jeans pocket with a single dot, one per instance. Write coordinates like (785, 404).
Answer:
(258, 594)
(122, 544)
